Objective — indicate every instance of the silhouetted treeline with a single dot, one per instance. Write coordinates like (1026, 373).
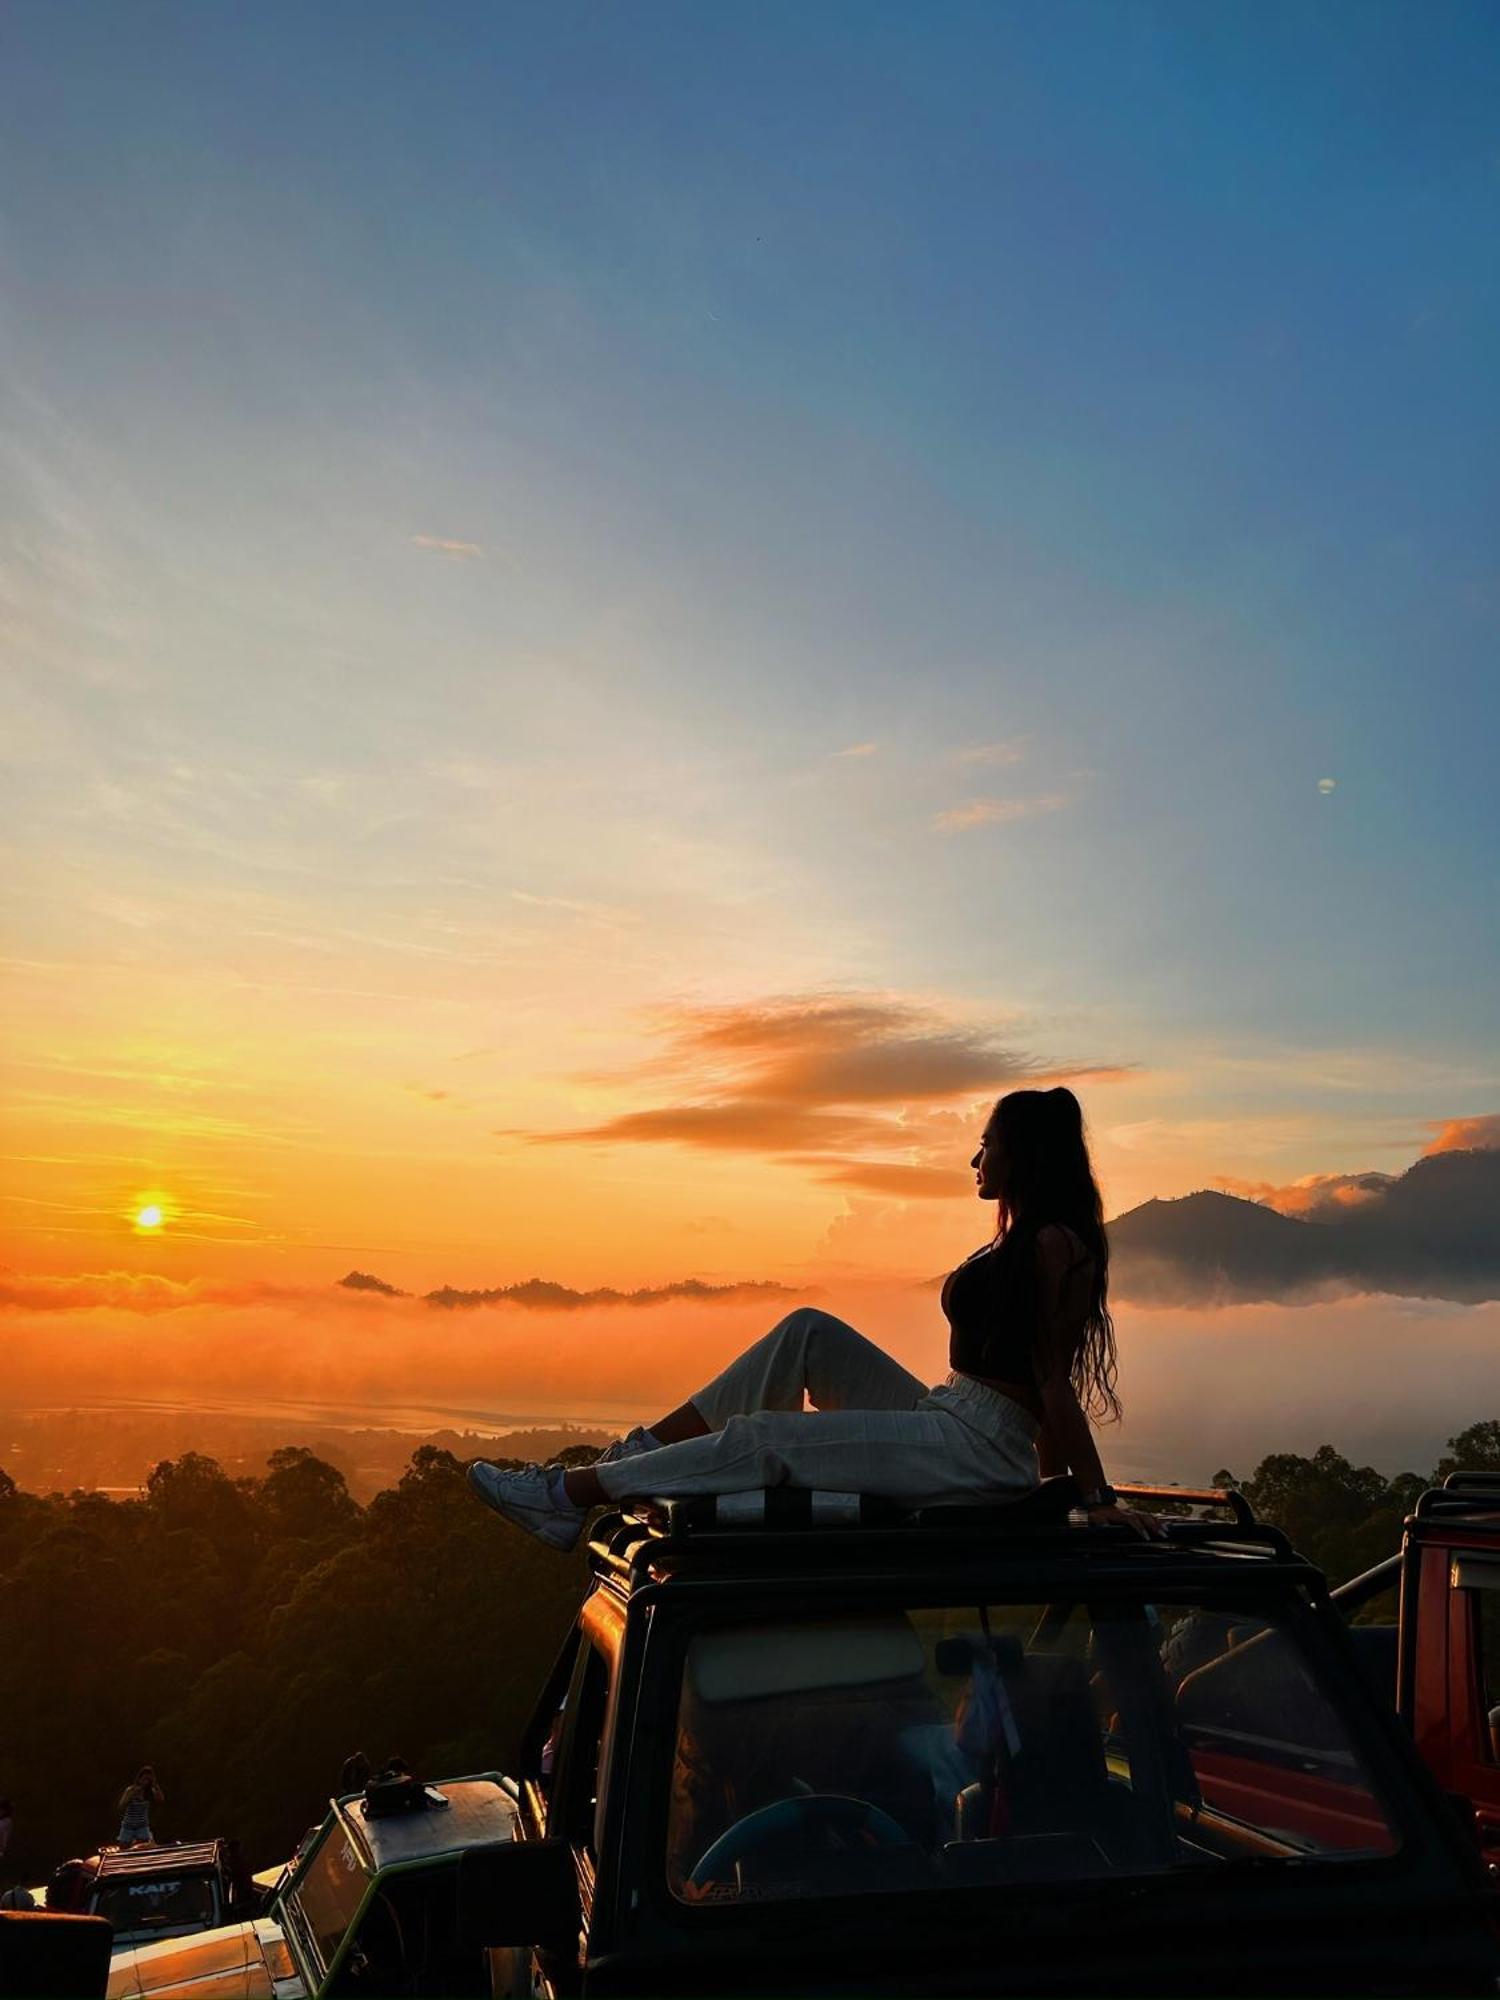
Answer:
(1345, 1517)
(245, 1635)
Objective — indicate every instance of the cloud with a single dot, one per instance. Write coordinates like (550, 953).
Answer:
(361, 1281)
(610, 915)
(148, 1293)
(997, 812)
(1430, 1233)
(859, 1089)
(131, 1291)
(1466, 1135)
(1009, 752)
(1316, 1197)
(906, 1180)
(858, 750)
(455, 551)
(542, 1295)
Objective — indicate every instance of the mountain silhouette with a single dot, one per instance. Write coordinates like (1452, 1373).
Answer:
(1431, 1232)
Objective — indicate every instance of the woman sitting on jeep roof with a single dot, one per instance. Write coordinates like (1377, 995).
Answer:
(1031, 1357)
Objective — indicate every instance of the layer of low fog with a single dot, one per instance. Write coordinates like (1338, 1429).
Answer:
(1387, 1381)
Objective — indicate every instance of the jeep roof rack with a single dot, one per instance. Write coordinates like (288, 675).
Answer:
(645, 1540)
(1467, 1493)
(160, 1858)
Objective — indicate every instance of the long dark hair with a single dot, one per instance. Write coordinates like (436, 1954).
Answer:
(1047, 1178)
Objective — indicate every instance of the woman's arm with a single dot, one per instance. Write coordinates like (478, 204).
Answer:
(1067, 1437)
(1050, 1461)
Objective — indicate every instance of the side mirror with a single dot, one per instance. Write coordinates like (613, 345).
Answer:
(525, 1893)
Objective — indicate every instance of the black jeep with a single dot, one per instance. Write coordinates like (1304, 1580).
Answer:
(813, 1744)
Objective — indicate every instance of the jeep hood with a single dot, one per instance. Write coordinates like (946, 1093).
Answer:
(242, 1962)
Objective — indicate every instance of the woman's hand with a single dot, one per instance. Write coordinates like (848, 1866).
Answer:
(1113, 1515)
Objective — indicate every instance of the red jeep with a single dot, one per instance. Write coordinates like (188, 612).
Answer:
(1435, 1650)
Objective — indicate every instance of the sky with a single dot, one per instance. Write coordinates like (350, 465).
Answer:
(613, 617)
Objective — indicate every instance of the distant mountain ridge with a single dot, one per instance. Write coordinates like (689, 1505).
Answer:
(1431, 1232)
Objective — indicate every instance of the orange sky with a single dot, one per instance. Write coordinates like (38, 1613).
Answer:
(577, 711)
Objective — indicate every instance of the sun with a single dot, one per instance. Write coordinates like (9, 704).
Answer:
(149, 1217)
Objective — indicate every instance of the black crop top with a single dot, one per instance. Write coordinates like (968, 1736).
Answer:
(987, 1312)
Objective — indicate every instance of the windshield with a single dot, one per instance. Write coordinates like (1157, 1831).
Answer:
(1005, 1744)
(327, 1897)
(155, 1907)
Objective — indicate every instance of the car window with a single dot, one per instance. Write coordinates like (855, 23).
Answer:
(576, 1804)
(327, 1897)
(996, 1744)
(153, 1908)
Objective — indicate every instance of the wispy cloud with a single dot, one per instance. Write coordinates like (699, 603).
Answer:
(848, 1087)
(440, 545)
(997, 812)
(131, 1291)
(858, 750)
(1009, 751)
(608, 914)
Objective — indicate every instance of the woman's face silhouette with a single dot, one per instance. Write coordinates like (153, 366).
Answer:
(989, 1164)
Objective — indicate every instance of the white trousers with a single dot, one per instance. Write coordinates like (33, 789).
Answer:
(873, 1428)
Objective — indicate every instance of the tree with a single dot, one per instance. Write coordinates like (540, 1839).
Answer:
(304, 1495)
(194, 1492)
(1344, 1517)
(1475, 1450)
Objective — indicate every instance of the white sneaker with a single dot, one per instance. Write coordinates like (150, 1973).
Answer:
(525, 1497)
(630, 1446)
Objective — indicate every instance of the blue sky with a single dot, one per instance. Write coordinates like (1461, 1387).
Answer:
(474, 470)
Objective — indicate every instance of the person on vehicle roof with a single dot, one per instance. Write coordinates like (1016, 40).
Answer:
(136, 1802)
(1031, 1359)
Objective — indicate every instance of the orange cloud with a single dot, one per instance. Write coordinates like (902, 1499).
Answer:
(131, 1291)
(1315, 1197)
(827, 1050)
(1468, 1135)
(908, 1181)
(845, 1086)
(148, 1293)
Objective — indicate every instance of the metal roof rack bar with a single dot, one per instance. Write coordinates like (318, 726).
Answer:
(635, 1552)
(1450, 1499)
(1229, 1497)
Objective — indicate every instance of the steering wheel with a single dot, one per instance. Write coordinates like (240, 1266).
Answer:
(812, 1812)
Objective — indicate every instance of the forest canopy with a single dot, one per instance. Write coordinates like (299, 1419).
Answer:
(245, 1635)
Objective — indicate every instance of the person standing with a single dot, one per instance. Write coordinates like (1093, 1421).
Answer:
(136, 1802)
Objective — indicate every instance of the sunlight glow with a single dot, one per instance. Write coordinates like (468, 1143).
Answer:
(149, 1217)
